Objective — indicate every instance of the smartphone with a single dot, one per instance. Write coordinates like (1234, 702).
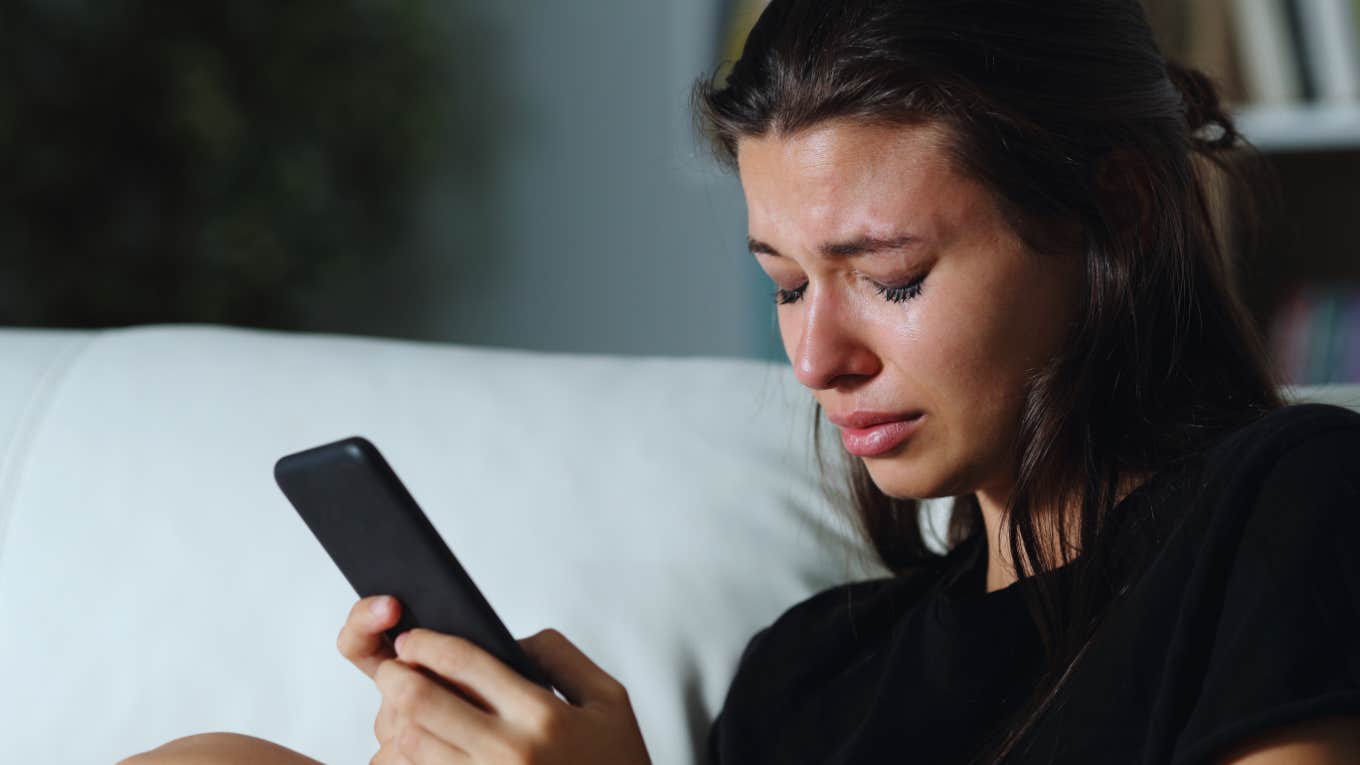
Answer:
(383, 543)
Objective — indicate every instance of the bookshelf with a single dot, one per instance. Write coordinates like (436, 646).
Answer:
(1289, 72)
(1301, 280)
(1303, 127)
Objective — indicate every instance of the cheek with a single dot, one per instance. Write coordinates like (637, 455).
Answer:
(992, 333)
(790, 329)
(968, 359)
(949, 345)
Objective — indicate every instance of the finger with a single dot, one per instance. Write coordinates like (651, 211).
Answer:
(361, 640)
(424, 702)
(581, 680)
(387, 723)
(501, 689)
(389, 754)
(421, 746)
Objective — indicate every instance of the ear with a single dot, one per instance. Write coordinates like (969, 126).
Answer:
(1121, 189)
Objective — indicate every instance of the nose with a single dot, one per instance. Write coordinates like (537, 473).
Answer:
(829, 347)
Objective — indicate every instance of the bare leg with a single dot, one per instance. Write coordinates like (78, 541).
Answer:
(219, 749)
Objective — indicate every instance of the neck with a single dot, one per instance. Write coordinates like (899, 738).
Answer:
(1001, 569)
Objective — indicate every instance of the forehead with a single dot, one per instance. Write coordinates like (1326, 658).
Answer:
(840, 176)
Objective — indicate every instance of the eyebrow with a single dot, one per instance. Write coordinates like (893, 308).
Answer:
(862, 246)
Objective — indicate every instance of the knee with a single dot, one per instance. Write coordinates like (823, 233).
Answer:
(209, 748)
(200, 747)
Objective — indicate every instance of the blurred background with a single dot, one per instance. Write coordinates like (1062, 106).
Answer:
(522, 173)
(513, 173)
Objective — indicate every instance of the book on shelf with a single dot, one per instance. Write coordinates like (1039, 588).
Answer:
(1278, 53)
(1266, 50)
(735, 19)
(1315, 335)
(1287, 52)
(1330, 49)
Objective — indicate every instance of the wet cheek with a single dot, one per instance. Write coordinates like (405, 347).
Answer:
(993, 346)
(966, 371)
(789, 333)
(949, 349)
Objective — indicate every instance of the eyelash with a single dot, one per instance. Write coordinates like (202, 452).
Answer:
(901, 294)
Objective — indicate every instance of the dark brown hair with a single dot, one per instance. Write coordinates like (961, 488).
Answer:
(1068, 113)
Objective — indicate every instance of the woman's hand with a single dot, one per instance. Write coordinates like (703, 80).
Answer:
(445, 700)
(362, 642)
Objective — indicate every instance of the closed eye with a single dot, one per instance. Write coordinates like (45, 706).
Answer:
(900, 294)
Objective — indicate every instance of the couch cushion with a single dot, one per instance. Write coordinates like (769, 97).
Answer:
(155, 583)
(33, 364)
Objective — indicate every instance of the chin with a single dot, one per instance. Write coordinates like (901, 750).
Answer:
(900, 479)
(894, 480)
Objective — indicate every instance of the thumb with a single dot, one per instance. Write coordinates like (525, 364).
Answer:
(571, 671)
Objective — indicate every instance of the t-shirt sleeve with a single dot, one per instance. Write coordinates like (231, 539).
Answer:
(1287, 644)
(724, 738)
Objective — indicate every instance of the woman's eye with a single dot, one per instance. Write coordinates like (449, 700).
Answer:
(784, 297)
(900, 294)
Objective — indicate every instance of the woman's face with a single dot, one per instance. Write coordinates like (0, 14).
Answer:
(844, 209)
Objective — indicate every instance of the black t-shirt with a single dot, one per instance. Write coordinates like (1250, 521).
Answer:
(1246, 617)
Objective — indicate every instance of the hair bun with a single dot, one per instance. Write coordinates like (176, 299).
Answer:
(1202, 106)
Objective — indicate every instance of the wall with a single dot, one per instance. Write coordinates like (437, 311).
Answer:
(577, 212)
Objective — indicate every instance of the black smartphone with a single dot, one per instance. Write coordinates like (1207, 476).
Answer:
(383, 543)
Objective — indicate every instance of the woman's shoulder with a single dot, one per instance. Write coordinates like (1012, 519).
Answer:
(1309, 451)
(1305, 457)
(817, 618)
(814, 638)
(1282, 430)
(836, 625)
(1270, 581)
(836, 608)
(1306, 461)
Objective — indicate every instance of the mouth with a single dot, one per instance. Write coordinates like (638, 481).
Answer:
(880, 438)
(863, 420)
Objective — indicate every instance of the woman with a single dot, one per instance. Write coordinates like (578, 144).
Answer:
(996, 271)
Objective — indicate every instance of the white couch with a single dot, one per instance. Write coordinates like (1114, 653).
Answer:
(155, 583)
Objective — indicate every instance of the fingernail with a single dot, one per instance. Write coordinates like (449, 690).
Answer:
(400, 638)
(379, 607)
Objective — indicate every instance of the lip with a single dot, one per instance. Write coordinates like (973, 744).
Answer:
(880, 438)
(860, 420)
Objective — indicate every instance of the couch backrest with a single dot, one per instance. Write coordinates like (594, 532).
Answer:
(155, 583)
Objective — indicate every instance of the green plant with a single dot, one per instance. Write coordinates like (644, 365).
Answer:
(202, 161)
